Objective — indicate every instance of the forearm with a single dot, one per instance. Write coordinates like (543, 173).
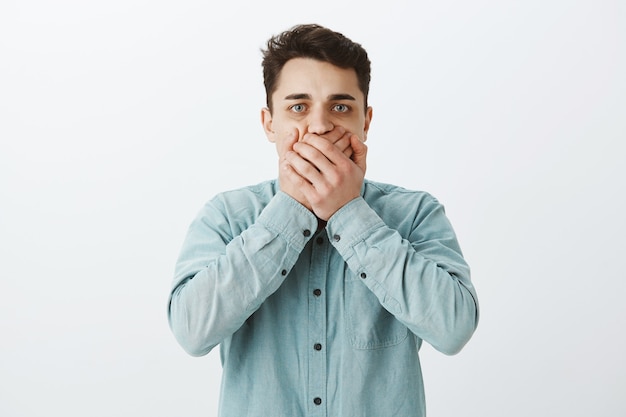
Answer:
(422, 280)
(218, 284)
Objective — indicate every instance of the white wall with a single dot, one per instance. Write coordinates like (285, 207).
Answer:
(119, 119)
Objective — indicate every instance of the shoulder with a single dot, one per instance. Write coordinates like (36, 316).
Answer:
(382, 193)
(237, 209)
(257, 195)
(403, 209)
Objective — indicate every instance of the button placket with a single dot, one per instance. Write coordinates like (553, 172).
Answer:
(317, 324)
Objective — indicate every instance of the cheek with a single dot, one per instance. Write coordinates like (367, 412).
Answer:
(283, 126)
(287, 132)
(285, 140)
(357, 127)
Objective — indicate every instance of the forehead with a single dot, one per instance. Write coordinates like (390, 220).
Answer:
(310, 76)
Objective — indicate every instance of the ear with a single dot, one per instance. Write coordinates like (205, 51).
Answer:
(368, 119)
(266, 121)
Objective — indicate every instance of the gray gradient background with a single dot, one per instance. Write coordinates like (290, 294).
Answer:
(119, 119)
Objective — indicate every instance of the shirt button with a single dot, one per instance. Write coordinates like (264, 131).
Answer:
(337, 238)
(317, 400)
(319, 240)
(317, 346)
(317, 292)
(363, 275)
(283, 272)
(306, 233)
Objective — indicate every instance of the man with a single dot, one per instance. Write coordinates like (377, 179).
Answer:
(320, 286)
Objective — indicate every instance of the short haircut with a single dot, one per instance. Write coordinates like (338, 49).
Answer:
(316, 42)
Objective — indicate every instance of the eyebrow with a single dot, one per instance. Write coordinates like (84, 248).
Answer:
(298, 96)
(332, 97)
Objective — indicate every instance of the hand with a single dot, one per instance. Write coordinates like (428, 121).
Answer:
(338, 136)
(324, 175)
(286, 185)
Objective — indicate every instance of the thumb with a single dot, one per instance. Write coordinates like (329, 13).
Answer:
(359, 152)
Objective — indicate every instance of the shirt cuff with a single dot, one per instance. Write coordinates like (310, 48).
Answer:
(351, 224)
(289, 219)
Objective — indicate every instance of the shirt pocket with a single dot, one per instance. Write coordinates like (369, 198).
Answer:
(368, 324)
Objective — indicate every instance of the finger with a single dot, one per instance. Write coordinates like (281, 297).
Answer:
(321, 154)
(333, 136)
(344, 142)
(324, 147)
(309, 164)
(359, 152)
(289, 172)
(338, 136)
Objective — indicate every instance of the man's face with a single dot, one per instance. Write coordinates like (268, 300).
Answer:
(315, 97)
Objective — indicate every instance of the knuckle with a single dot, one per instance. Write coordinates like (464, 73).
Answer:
(316, 200)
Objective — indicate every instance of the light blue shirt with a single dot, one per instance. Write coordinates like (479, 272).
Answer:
(322, 323)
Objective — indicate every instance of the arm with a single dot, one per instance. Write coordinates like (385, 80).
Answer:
(224, 274)
(222, 278)
(422, 280)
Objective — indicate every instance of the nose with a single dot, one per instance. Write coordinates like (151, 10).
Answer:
(319, 122)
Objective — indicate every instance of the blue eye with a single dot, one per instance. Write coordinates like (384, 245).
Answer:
(341, 108)
(298, 108)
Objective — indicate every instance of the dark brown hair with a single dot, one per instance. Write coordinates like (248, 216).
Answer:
(316, 42)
